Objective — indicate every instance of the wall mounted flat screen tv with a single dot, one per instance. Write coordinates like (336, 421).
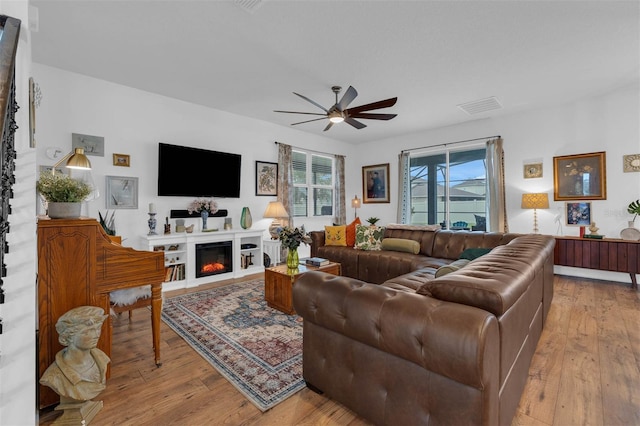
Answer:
(196, 172)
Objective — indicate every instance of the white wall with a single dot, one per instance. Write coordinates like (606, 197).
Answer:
(609, 122)
(133, 122)
(18, 340)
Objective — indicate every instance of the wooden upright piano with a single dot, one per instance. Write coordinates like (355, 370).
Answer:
(79, 265)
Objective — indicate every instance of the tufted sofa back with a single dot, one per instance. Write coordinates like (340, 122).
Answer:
(437, 248)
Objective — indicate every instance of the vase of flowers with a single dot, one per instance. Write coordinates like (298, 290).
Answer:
(292, 259)
(205, 207)
(291, 238)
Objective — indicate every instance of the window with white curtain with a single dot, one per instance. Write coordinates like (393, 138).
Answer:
(449, 187)
(313, 184)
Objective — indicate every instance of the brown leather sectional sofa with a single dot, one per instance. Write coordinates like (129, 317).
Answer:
(401, 347)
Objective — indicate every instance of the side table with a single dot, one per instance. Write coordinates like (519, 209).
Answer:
(279, 281)
(273, 249)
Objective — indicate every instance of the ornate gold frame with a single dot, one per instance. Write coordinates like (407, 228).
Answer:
(573, 173)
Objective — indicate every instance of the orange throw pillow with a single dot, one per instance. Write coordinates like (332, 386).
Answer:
(351, 232)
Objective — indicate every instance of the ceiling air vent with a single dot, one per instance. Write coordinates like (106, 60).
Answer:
(481, 105)
(249, 5)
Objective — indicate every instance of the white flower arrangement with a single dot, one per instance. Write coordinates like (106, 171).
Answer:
(200, 205)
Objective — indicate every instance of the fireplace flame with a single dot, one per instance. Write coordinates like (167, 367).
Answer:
(212, 267)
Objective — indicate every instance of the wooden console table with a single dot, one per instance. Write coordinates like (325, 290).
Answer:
(608, 254)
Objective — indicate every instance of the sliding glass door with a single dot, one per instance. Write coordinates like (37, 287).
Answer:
(449, 187)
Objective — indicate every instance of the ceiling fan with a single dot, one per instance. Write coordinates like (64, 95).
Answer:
(339, 111)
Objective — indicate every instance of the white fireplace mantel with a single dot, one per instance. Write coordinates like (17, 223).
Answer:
(184, 253)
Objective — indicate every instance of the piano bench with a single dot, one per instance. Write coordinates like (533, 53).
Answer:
(129, 299)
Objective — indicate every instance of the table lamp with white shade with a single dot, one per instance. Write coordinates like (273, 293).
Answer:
(275, 210)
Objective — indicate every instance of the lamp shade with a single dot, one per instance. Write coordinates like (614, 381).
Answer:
(355, 203)
(74, 160)
(538, 200)
(275, 210)
(78, 160)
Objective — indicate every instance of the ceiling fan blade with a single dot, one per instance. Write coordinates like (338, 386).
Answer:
(313, 102)
(298, 112)
(373, 116)
(348, 97)
(375, 105)
(309, 121)
(328, 126)
(355, 123)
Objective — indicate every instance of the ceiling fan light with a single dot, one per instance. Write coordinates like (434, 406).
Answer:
(336, 117)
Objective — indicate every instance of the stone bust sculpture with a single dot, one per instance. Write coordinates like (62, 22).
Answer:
(79, 371)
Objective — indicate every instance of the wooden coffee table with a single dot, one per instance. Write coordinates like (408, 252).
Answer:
(279, 281)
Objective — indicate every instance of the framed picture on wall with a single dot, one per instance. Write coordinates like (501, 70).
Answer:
(92, 145)
(266, 178)
(49, 169)
(578, 213)
(375, 183)
(533, 170)
(580, 177)
(122, 192)
(32, 113)
(122, 160)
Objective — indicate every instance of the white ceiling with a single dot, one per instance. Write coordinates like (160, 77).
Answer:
(432, 55)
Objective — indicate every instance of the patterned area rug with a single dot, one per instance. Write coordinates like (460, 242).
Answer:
(257, 348)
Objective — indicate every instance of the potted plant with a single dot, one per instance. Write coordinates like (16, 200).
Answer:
(64, 195)
(634, 209)
(373, 220)
(108, 223)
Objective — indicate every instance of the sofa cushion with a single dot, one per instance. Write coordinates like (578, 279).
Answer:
(492, 283)
(412, 281)
(345, 256)
(402, 226)
(351, 232)
(450, 244)
(452, 267)
(335, 235)
(474, 253)
(378, 266)
(369, 237)
(400, 244)
(422, 234)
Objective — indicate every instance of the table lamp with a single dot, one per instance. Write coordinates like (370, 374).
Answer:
(355, 203)
(538, 200)
(75, 160)
(275, 210)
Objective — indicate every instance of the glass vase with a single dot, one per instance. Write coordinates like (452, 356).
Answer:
(292, 258)
(204, 215)
(245, 218)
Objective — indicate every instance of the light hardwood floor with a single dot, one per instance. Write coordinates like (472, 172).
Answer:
(586, 371)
